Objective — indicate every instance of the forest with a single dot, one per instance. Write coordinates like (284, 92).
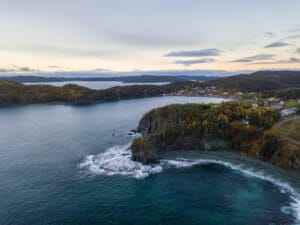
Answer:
(258, 81)
(15, 93)
(283, 84)
(233, 126)
(284, 94)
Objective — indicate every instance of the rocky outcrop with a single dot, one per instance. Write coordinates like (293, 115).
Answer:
(141, 151)
(155, 129)
(288, 156)
(215, 145)
(217, 127)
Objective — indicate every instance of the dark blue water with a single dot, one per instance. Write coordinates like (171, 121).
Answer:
(68, 165)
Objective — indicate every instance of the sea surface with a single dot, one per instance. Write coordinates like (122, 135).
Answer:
(97, 85)
(62, 164)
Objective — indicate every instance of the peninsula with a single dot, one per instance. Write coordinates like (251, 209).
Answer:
(231, 126)
(284, 85)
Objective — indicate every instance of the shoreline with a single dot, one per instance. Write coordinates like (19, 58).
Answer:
(102, 101)
(286, 180)
(106, 163)
(233, 157)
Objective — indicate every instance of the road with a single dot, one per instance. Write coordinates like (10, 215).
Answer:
(287, 138)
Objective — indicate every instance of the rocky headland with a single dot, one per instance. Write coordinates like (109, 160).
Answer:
(232, 126)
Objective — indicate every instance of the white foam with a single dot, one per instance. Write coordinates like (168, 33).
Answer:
(117, 161)
(293, 208)
(133, 134)
(183, 162)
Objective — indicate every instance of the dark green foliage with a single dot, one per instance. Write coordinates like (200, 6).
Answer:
(285, 94)
(298, 108)
(188, 126)
(141, 151)
(270, 145)
(242, 135)
(258, 81)
(13, 93)
(263, 117)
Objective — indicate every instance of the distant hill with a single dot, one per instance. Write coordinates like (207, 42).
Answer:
(125, 79)
(258, 81)
(284, 84)
(285, 94)
(16, 93)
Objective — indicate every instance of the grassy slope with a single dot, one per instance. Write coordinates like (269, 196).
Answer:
(291, 129)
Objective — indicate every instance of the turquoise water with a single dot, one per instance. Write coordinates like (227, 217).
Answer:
(71, 165)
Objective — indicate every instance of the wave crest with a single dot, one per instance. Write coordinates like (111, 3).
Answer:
(117, 161)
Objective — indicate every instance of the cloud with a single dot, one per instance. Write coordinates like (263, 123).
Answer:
(89, 52)
(17, 69)
(255, 58)
(4, 70)
(276, 44)
(61, 50)
(295, 29)
(25, 69)
(270, 34)
(54, 67)
(288, 61)
(196, 61)
(294, 60)
(153, 40)
(295, 36)
(200, 53)
(298, 50)
(101, 70)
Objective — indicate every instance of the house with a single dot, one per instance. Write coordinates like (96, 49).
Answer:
(287, 112)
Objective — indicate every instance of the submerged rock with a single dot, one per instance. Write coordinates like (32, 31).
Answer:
(141, 151)
(131, 132)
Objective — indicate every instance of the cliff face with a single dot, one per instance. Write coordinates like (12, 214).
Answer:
(141, 151)
(288, 156)
(228, 126)
(157, 130)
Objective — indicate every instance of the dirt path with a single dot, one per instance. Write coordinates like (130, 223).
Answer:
(287, 138)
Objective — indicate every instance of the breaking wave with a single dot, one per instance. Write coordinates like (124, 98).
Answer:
(117, 161)
(294, 207)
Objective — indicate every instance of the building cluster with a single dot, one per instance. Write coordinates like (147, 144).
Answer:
(286, 107)
(206, 91)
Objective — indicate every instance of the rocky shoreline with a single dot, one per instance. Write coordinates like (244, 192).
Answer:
(172, 128)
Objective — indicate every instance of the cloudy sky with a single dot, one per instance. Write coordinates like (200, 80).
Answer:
(149, 35)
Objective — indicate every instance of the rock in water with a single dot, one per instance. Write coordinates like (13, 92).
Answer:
(142, 151)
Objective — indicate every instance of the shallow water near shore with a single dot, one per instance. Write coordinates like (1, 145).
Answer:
(71, 165)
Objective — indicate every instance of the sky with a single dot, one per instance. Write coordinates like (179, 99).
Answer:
(144, 36)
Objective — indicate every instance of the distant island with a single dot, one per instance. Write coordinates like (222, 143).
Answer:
(231, 126)
(124, 79)
(258, 86)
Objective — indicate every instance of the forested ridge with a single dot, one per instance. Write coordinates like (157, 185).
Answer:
(235, 126)
(283, 84)
(285, 94)
(258, 81)
(15, 93)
